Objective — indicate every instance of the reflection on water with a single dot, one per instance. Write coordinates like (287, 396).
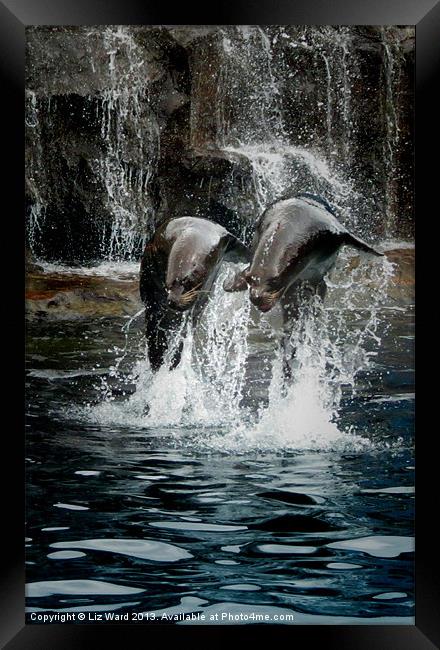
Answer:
(179, 509)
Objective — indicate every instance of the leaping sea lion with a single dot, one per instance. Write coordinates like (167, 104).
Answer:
(296, 243)
(178, 268)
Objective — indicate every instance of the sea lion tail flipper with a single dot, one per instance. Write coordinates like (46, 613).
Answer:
(236, 251)
(148, 269)
(236, 283)
(351, 240)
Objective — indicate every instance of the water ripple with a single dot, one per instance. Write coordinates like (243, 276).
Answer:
(139, 548)
(75, 587)
(378, 546)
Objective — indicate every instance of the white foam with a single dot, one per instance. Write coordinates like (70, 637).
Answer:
(206, 387)
(200, 403)
(396, 244)
(110, 269)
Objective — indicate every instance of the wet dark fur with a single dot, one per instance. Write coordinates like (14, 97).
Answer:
(295, 245)
(161, 320)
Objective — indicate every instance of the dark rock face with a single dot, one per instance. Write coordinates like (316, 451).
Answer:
(127, 126)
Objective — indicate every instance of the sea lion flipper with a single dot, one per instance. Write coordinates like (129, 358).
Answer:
(351, 240)
(236, 251)
(236, 283)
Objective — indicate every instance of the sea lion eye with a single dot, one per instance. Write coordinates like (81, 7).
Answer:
(250, 279)
(190, 281)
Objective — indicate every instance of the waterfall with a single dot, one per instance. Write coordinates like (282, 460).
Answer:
(37, 210)
(290, 108)
(336, 49)
(129, 161)
(247, 93)
(112, 130)
(284, 164)
(392, 72)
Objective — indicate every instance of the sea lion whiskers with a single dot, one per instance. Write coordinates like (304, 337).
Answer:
(273, 295)
(188, 296)
(191, 292)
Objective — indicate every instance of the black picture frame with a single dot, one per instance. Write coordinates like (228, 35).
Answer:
(15, 15)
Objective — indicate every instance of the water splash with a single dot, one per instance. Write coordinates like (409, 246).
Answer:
(257, 80)
(284, 170)
(201, 403)
(117, 270)
(280, 168)
(330, 351)
(206, 388)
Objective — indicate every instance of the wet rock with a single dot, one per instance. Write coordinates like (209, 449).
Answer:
(84, 59)
(97, 99)
(211, 184)
(71, 297)
(402, 286)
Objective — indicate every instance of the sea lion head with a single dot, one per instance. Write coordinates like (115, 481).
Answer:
(267, 276)
(264, 291)
(188, 272)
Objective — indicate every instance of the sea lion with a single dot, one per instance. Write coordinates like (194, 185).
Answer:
(296, 243)
(178, 268)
